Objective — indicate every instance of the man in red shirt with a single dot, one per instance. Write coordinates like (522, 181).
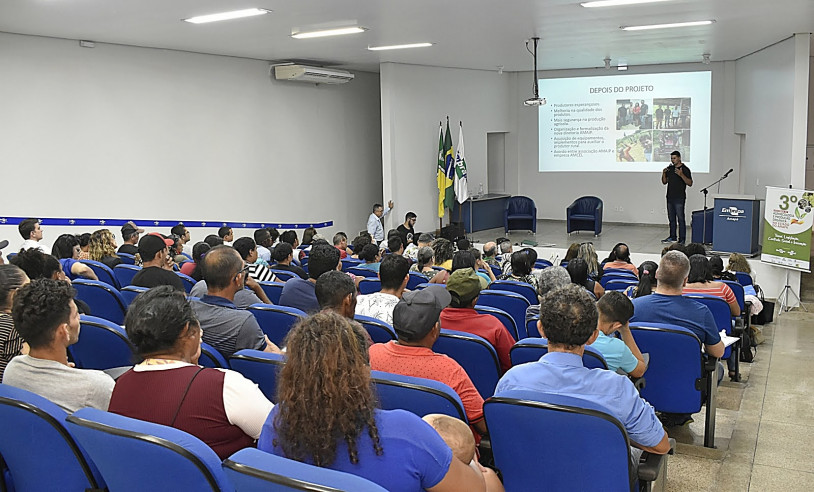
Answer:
(464, 288)
(415, 319)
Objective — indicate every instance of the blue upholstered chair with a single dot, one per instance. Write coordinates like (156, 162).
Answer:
(531, 349)
(34, 436)
(477, 357)
(276, 321)
(283, 275)
(252, 470)
(104, 300)
(102, 345)
(418, 395)
(124, 273)
(620, 284)
(503, 316)
(130, 292)
(103, 272)
(744, 278)
(520, 213)
(210, 357)
(529, 428)
(369, 285)
(261, 367)
(363, 272)
(584, 214)
(415, 279)
(134, 455)
(188, 281)
(511, 302)
(127, 258)
(522, 288)
(379, 331)
(273, 290)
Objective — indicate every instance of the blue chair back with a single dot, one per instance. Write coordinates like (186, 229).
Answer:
(504, 317)
(104, 300)
(720, 311)
(607, 277)
(134, 455)
(529, 428)
(34, 437)
(418, 395)
(349, 263)
(496, 270)
(379, 331)
(363, 272)
(520, 212)
(272, 290)
(414, 280)
(124, 273)
(619, 284)
(188, 281)
(675, 368)
(740, 295)
(210, 357)
(276, 321)
(102, 345)
(531, 349)
(283, 275)
(511, 302)
(744, 278)
(477, 357)
(130, 292)
(531, 327)
(422, 286)
(127, 259)
(522, 288)
(619, 271)
(369, 285)
(542, 264)
(261, 367)
(253, 470)
(103, 272)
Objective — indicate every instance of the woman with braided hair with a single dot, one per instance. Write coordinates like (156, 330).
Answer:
(327, 416)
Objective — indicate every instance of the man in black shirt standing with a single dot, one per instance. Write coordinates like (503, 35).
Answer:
(406, 230)
(677, 177)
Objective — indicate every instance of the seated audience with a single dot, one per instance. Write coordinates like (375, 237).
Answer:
(615, 311)
(738, 263)
(308, 236)
(647, 280)
(336, 292)
(226, 235)
(459, 438)
(490, 254)
(372, 258)
(31, 232)
(11, 343)
(263, 240)
(299, 293)
(66, 249)
(416, 322)
(700, 281)
(218, 406)
(102, 248)
(443, 253)
(182, 232)
(506, 252)
(130, 238)
(620, 259)
(695, 249)
(394, 245)
(359, 242)
(487, 274)
(571, 253)
(588, 253)
(37, 265)
(283, 255)
(46, 317)
(156, 269)
(290, 237)
(716, 269)
(193, 269)
(335, 423)
(247, 249)
(252, 294)
(420, 241)
(578, 270)
(569, 321)
(225, 327)
(548, 279)
(84, 245)
(521, 269)
(424, 263)
(393, 275)
(213, 240)
(177, 250)
(464, 288)
(340, 240)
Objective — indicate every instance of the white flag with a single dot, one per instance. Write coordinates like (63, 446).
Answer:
(460, 185)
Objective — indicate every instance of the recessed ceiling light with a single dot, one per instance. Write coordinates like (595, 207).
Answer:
(616, 3)
(328, 32)
(667, 26)
(399, 46)
(235, 14)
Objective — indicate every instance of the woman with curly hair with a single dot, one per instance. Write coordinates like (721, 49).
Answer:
(327, 415)
(102, 247)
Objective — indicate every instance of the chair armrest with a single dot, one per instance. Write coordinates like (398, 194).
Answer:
(651, 464)
(639, 383)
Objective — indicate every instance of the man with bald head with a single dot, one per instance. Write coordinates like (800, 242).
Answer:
(225, 327)
(490, 253)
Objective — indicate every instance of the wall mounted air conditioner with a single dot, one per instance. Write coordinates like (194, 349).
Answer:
(315, 75)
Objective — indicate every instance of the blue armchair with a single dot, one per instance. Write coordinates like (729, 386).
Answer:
(520, 213)
(585, 214)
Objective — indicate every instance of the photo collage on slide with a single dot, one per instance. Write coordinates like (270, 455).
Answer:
(648, 130)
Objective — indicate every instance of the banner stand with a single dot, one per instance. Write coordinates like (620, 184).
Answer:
(784, 301)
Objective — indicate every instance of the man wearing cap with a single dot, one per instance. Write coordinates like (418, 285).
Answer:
(32, 234)
(154, 251)
(130, 237)
(415, 319)
(464, 288)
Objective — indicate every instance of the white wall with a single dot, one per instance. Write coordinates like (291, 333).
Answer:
(414, 100)
(125, 132)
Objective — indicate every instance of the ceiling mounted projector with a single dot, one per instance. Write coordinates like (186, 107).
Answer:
(536, 100)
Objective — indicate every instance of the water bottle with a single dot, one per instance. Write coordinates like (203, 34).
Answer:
(480, 189)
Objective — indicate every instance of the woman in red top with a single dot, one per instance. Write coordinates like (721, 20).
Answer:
(700, 282)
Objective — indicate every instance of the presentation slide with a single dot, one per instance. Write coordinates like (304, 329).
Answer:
(625, 123)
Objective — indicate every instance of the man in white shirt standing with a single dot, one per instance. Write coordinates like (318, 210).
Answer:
(394, 275)
(374, 222)
(32, 234)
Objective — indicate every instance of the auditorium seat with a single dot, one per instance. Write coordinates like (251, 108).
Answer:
(584, 214)
(520, 212)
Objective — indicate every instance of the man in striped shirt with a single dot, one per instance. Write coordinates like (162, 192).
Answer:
(248, 251)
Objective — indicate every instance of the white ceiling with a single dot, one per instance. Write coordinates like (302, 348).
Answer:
(478, 34)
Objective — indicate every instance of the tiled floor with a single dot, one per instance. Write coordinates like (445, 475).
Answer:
(764, 437)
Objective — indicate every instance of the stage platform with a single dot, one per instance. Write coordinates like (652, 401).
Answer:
(644, 242)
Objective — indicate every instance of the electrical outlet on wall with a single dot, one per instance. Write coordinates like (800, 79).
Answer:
(653, 211)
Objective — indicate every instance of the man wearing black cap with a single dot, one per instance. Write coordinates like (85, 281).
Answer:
(154, 249)
(416, 321)
(3, 244)
(130, 237)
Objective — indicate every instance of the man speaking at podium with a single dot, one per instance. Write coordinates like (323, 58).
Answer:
(677, 177)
